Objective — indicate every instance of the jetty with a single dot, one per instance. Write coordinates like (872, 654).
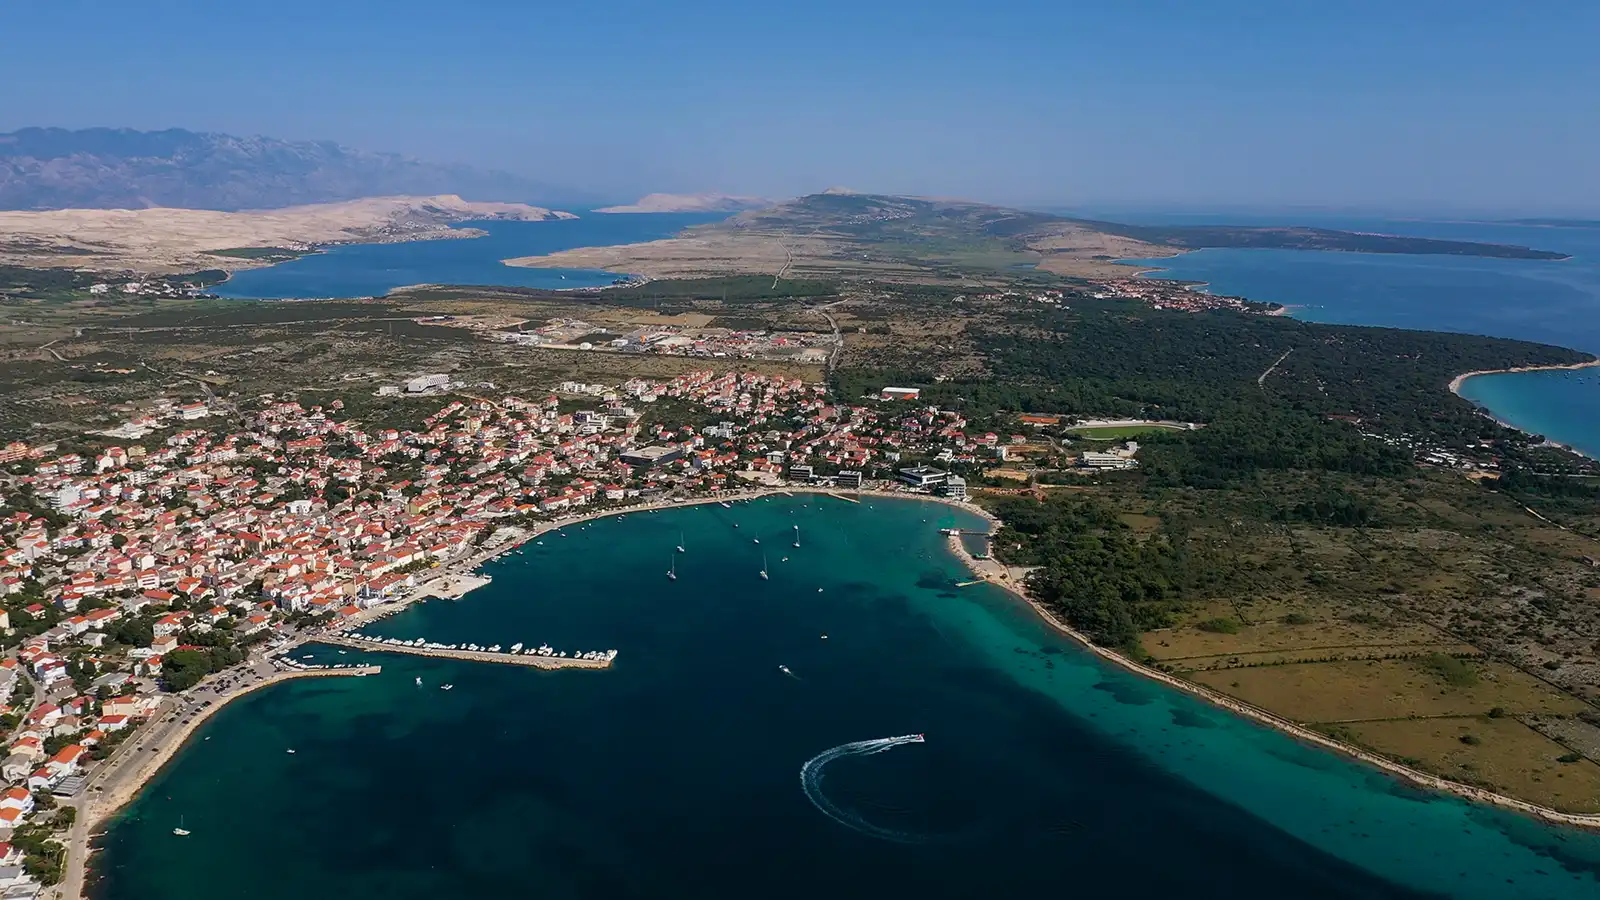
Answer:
(843, 497)
(284, 663)
(594, 660)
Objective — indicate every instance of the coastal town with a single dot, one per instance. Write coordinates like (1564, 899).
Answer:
(136, 578)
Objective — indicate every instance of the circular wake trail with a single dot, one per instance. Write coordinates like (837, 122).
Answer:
(812, 772)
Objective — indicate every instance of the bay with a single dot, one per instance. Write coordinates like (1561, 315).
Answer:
(677, 772)
(1553, 302)
(370, 270)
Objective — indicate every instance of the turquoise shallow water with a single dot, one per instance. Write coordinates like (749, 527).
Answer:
(370, 270)
(1552, 302)
(676, 773)
(1563, 406)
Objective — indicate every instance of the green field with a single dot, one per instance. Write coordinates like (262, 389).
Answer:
(1118, 432)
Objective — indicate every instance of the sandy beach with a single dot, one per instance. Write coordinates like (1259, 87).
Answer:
(1456, 382)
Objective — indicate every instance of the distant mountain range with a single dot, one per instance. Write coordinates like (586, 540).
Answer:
(120, 168)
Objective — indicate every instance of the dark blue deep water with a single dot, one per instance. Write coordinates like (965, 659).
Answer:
(676, 773)
(370, 270)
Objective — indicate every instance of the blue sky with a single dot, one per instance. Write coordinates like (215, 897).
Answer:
(1405, 105)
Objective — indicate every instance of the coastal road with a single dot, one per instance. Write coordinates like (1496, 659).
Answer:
(114, 781)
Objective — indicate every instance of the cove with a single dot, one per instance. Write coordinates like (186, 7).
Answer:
(370, 270)
(1550, 302)
(676, 773)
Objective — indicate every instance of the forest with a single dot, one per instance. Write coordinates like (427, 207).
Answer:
(1280, 401)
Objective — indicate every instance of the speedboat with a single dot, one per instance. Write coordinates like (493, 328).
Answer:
(785, 670)
(446, 687)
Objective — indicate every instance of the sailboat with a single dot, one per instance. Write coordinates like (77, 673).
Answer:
(180, 831)
(797, 535)
(763, 567)
(672, 573)
(680, 543)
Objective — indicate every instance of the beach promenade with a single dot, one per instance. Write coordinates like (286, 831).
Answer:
(115, 783)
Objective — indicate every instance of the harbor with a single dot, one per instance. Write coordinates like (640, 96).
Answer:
(541, 657)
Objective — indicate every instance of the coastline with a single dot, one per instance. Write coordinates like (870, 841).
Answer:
(1261, 716)
(107, 804)
(993, 574)
(1457, 382)
(97, 810)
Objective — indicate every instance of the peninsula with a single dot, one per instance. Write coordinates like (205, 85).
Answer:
(167, 241)
(845, 234)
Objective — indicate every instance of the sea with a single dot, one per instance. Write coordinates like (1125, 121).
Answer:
(1553, 302)
(757, 738)
(372, 270)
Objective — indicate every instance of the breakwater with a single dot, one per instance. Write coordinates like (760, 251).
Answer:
(597, 659)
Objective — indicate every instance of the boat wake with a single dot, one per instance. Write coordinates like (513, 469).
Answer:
(812, 773)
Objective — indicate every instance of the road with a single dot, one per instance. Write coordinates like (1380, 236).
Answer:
(838, 341)
(1262, 380)
(125, 770)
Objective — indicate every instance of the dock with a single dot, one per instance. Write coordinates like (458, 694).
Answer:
(514, 659)
(843, 497)
(958, 532)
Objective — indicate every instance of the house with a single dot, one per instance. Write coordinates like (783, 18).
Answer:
(11, 817)
(17, 798)
(67, 759)
(172, 623)
(109, 724)
(16, 766)
(133, 707)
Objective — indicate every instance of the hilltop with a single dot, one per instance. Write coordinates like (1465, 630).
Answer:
(120, 168)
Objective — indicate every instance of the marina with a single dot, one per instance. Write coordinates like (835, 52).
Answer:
(541, 657)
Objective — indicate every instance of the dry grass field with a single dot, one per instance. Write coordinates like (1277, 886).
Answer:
(1501, 753)
(1356, 690)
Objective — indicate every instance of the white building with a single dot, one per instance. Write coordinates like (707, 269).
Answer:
(427, 382)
